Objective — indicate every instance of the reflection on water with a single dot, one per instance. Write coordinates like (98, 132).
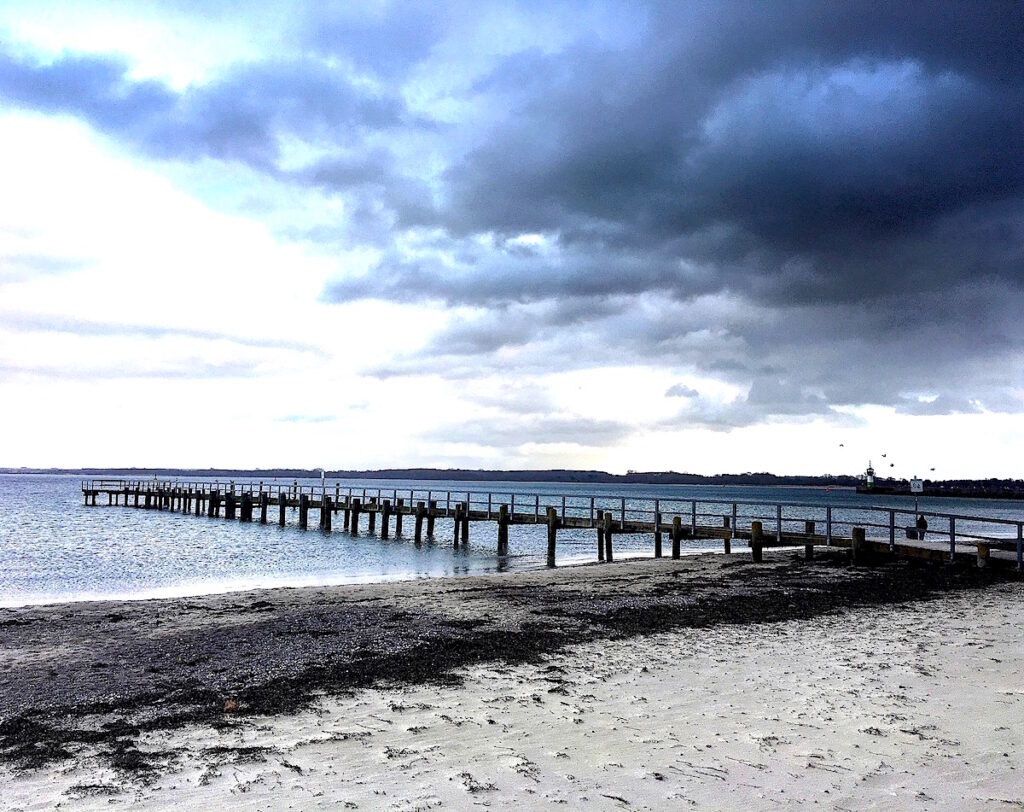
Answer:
(52, 547)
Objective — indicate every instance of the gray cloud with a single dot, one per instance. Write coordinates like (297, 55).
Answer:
(241, 116)
(181, 369)
(511, 432)
(44, 323)
(23, 266)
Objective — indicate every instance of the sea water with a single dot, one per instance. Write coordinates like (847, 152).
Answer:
(54, 548)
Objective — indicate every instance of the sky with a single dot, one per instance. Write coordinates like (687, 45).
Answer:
(704, 237)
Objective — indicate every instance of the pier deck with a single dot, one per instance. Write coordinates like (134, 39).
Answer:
(875, 531)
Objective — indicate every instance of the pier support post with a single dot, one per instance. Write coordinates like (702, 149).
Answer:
(756, 537)
(136, 497)
(199, 502)
(608, 537)
(147, 501)
(399, 510)
(282, 506)
(858, 546)
(354, 525)
(809, 546)
(677, 533)
(264, 503)
(303, 511)
(347, 513)
(126, 496)
(457, 524)
(465, 523)
(418, 524)
(727, 524)
(371, 516)
(600, 536)
(657, 535)
(229, 504)
(385, 518)
(552, 534)
(213, 509)
(503, 530)
(246, 511)
(326, 512)
(431, 510)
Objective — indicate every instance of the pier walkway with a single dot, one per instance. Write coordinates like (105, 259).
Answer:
(870, 531)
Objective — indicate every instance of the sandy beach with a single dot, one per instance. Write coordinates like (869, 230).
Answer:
(705, 682)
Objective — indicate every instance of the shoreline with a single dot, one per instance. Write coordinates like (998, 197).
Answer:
(90, 680)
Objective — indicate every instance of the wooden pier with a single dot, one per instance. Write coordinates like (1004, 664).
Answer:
(877, 532)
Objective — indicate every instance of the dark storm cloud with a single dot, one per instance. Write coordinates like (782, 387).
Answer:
(819, 204)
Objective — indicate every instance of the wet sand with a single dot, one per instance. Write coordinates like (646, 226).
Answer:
(643, 684)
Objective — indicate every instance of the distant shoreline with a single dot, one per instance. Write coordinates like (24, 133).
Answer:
(961, 488)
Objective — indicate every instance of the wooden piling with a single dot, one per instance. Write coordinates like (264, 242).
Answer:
(503, 530)
(457, 524)
(264, 503)
(608, 537)
(347, 520)
(657, 535)
(326, 512)
(282, 506)
(809, 546)
(399, 510)
(421, 511)
(465, 523)
(213, 509)
(246, 509)
(727, 541)
(229, 504)
(303, 511)
(354, 525)
(385, 518)
(859, 546)
(756, 538)
(677, 534)
(552, 534)
(431, 510)
(371, 516)
(600, 537)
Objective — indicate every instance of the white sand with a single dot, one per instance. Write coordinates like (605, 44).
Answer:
(913, 707)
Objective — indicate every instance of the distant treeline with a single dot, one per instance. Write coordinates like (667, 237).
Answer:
(1013, 487)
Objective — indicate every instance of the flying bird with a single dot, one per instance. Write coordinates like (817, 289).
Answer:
(840, 445)
(883, 455)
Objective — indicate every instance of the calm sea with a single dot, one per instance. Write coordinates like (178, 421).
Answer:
(53, 548)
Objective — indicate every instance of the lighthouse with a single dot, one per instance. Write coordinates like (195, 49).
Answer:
(869, 476)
